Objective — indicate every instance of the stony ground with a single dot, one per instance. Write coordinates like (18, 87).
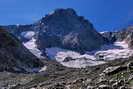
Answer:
(116, 74)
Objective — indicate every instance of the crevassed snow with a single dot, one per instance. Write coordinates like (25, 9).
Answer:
(31, 45)
(90, 58)
(28, 34)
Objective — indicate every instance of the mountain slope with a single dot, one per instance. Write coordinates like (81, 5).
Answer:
(14, 56)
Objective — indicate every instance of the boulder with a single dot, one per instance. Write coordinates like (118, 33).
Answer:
(104, 87)
(67, 59)
(118, 84)
(102, 80)
(130, 65)
(90, 87)
(123, 87)
(113, 70)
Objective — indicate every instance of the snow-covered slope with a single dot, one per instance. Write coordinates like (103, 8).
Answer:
(32, 47)
(28, 34)
(90, 58)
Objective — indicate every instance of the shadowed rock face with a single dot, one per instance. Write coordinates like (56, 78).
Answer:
(14, 56)
(64, 28)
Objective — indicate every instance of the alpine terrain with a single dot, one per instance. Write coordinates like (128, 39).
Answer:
(64, 51)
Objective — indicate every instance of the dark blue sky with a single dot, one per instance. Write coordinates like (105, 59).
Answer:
(104, 14)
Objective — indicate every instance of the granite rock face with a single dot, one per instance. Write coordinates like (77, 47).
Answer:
(65, 29)
(14, 56)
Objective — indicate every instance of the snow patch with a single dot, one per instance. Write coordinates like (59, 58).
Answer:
(43, 69)
(103, 32)
(32, 70)
(31, 45)
(28, 34)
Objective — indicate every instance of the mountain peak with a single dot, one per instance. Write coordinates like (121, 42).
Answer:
(64, 28)
(67, 11)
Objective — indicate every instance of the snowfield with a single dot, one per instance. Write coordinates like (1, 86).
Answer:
(28, 34)
(90, 58)
(81, 60)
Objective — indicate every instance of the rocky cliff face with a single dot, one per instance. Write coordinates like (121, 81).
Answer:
(65, 29)
(122, 35)
(14, 56)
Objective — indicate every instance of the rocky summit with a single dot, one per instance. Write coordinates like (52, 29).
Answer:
(65, 29)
